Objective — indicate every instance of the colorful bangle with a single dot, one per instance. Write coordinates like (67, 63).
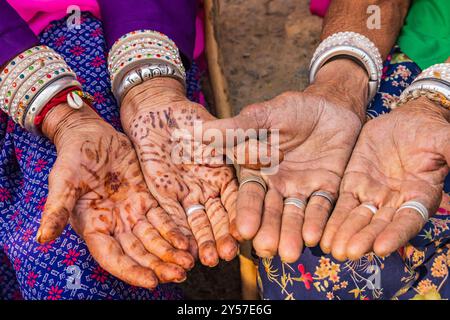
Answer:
(137, 44)
(30, 80)
(139, 34)
(18, 59)
(144, 53)
(143, 49)
(17, 76)
(31, 87)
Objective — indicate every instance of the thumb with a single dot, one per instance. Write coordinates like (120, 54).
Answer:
(254, 154)
(63, 193)
(233, 130)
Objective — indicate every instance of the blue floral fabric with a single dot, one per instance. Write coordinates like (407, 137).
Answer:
(62, 269)
(417, 271)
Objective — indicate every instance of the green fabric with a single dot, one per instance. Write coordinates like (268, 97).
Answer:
(425, 37)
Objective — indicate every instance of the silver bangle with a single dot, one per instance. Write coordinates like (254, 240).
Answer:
(43, 97)
(144, 73)
(353, 46)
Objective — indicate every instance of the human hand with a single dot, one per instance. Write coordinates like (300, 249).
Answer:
(97, 184)
(399, 157)
(317, 132)
(151, 113)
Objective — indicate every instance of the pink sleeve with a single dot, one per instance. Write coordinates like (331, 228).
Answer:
(319, 7)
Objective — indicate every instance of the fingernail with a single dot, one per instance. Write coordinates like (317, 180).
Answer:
(38, 235)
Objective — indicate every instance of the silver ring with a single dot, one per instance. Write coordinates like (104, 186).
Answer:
(324, 194)
(193, 208)
(371, 207)
(256, 179)
(299, 203)
(417, 206)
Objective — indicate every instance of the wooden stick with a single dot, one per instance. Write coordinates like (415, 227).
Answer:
(216, 74)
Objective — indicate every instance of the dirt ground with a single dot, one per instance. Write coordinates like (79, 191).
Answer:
(266, 46)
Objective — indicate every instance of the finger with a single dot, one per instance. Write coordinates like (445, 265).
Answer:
(253, 154)
(249, 207)
(63, 193)
(316, 215)
(362, 242)
(168, 228)
(178, 215)
(268, 237)
(406, 224)
(228, 197)
(110, 256)
(345, 204)
(156, 245)
(291, 242)
(166, 272)
(358, 218)
(218, 217)
(201, 228)
(250, 119)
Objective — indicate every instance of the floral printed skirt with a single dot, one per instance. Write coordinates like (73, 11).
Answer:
(417, 271)
(61, 269)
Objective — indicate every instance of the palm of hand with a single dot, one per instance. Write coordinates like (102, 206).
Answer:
(316, 149)
(398, 158)
(317, 138)
(178, 185)
(107, 201)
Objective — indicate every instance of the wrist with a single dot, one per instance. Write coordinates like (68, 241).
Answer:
(425, 106)
(344, 82)
(150, 94)
(63, 119)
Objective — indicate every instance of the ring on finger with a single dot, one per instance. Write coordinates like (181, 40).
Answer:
(193, 208)
(324, 194)
(417, 206)
(256, 179)
(299, 203)
(371, 207)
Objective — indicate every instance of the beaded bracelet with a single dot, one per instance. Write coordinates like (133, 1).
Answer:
(143, 53)
(30, 80)
(19, 59)
(137, 44)
(57, 72)
(138, 34)
(433, 83)
(138, 49)
(22, 72)
(31, 84)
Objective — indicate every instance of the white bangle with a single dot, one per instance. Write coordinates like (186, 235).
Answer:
(141, 55)
(350, 45)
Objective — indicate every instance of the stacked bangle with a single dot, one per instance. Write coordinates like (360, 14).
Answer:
(142, 55)
(350, 45)
(30, 81)
(433, 83)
